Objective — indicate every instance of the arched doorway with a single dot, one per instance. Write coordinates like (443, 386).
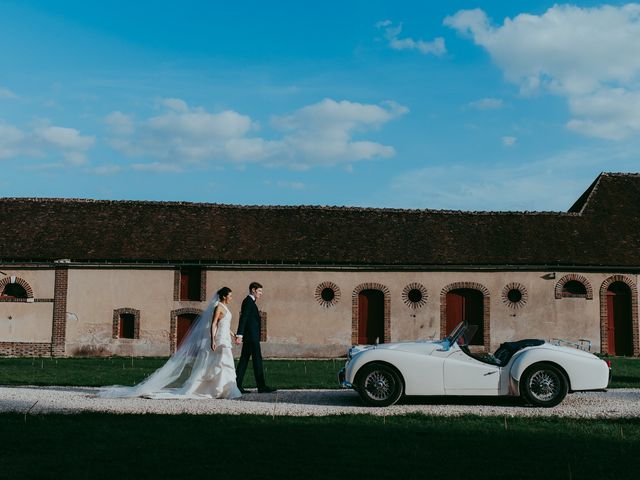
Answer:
(466, 304)
(370, 317)
(619, 319)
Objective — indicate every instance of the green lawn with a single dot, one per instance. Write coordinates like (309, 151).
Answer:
(224, 447)
(280, 373)
(95, 372)
(625, 372)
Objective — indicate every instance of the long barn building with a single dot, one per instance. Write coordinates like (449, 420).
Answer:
(90, 277)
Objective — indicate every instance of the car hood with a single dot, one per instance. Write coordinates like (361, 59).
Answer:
(423, 347)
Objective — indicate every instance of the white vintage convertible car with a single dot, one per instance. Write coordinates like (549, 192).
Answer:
(538, 371)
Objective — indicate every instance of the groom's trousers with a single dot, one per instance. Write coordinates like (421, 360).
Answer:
(250, 348)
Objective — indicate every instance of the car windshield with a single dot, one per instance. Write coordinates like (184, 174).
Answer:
(462, 334)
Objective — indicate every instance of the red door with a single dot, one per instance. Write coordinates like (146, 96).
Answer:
(466, 304)
(370, 317)
(184, 323)
(619, 325)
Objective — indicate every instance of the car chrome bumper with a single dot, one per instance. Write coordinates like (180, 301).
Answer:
(342, 379)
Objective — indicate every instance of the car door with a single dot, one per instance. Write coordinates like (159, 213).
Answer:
(464, 375)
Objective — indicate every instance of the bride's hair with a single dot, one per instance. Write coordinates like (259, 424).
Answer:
(223, 292)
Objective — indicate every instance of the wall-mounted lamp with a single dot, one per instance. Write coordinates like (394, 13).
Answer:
(549, 276)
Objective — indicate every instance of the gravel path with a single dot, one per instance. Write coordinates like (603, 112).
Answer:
(615, 403)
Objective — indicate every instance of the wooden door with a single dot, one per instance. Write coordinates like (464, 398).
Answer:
(619, 325)
(370, 317)
(184, 323)
(455, 310)
(466, 304)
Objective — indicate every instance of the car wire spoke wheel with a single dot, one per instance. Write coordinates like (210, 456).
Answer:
(379, 384)
(544, 385)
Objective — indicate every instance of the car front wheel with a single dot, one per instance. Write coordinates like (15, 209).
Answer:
(379, 385)
(543, 385)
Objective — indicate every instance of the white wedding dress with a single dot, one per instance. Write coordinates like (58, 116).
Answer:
(194, 371)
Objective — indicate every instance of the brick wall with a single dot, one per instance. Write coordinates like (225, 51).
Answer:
(25, 349)
(59, 329)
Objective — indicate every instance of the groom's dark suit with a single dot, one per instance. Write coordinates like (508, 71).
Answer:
(249, 328)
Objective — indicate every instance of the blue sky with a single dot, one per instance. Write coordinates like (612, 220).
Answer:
(460, 105)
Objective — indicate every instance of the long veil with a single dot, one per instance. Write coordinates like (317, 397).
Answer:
(177, 372)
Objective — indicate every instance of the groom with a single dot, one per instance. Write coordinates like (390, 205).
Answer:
(249, 336)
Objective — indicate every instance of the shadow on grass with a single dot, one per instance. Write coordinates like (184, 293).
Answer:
(349, 398)
(101, 446)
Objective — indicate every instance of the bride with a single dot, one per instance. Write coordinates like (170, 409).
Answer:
(202, 367)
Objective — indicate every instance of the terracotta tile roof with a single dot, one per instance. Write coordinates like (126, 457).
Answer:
(601, 229)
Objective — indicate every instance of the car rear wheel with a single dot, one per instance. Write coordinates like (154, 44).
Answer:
(379, 385)
(543, 385)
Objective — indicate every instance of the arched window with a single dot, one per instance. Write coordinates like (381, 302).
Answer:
(574, 288)
(14, 290)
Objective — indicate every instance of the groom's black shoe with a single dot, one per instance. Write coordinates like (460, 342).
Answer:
(266, 389)
(243, 390)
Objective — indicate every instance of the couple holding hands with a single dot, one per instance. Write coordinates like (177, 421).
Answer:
(203, 366)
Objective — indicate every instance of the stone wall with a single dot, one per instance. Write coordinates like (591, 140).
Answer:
(73, 307)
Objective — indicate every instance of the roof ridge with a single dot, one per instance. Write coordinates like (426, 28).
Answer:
(171, 203)
(581, 203)
(620, 174)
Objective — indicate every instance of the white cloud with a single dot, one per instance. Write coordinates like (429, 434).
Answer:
(185, 135)
(552, 183)
(487, 104)
(249, 149)
(610, 113)
(45, 141)
(435, 47)
(508, 141)
(119, 123)
(65, 138)
(6, 94)
(322, 133)
(75, 158)
(585, 54)
(71, 144)
(175, 104)
(11, 139)
(198, 124)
